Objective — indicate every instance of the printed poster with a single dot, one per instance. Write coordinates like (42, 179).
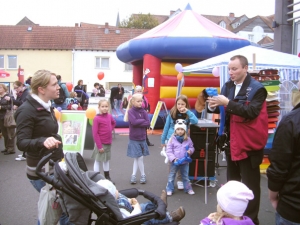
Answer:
(72, 128)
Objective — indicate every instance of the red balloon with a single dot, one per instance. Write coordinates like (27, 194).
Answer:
(69, 86)
(100, 75)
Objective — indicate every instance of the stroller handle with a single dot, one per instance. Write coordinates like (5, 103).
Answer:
(44, 176)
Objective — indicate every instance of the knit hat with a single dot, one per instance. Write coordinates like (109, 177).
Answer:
(233, 197)
(180, 123)
(109, 186)
(74, 106)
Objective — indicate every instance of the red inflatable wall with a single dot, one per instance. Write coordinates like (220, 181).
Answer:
(152, 93)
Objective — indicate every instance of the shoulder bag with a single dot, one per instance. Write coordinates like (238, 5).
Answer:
(9, 120)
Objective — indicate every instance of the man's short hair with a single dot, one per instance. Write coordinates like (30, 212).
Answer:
(58, 77)
(243, 60)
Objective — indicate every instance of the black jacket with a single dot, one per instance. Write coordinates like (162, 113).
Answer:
(284, 170)
(4, 106)
(34, 125)
(21, 98)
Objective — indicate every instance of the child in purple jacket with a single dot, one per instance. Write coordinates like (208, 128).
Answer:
(233, 198)
(179, 146)
(138, 120)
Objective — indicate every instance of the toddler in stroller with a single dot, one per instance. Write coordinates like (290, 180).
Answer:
(130, 206)
(82, 199)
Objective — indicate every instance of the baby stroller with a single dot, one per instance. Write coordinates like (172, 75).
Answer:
(80, 197)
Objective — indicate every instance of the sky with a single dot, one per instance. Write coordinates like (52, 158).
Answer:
(69, 12)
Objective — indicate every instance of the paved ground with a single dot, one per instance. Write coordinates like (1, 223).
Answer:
(18, 199)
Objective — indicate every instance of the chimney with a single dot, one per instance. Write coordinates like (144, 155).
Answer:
(231, 15)
(76, 24)
(171, 12)
(106, 30)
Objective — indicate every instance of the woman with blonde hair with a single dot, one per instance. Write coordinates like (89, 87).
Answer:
(32, 117)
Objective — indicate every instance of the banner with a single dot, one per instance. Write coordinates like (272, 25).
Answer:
(72, 128)
(161, 106)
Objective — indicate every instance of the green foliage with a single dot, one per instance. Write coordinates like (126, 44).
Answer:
(140, 21)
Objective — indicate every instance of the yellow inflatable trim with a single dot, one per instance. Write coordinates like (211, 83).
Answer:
(168, 69)
(191, 92)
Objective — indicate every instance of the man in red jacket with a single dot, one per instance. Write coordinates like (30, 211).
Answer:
(246, 127)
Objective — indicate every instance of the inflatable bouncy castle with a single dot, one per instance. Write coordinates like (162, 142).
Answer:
(186, 38)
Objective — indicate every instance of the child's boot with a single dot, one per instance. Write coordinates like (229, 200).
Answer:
(106, 175)
(177, 214)
(163, 197)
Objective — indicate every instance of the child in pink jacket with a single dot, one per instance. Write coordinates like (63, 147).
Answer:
(103, 126)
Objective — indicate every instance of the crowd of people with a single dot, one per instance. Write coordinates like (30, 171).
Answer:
(243, 141)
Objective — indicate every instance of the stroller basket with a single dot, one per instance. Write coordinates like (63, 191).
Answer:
(80, 196)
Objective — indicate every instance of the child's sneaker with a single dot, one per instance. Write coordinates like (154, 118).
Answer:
(177, 214)
(169, 193)
(133, 179)
(180, 185)
(20, 158)
(143, 179)
(191, 192)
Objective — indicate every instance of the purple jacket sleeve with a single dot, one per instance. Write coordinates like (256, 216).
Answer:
(138, 122)
(169, 150)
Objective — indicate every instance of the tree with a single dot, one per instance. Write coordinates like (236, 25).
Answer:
(140, 21)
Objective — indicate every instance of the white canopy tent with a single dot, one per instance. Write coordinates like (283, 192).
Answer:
(288, 65)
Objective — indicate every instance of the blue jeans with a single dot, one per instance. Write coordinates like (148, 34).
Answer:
(184, 170)
(145, 207)
(281, 221)
(38, 185)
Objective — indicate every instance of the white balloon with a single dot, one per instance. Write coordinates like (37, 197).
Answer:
(216, 71)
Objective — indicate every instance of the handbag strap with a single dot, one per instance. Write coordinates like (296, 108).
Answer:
(11, 101)
(47, 171)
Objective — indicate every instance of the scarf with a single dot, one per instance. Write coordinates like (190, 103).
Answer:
(179, 138)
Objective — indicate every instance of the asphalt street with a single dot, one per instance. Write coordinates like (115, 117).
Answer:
(18, 199)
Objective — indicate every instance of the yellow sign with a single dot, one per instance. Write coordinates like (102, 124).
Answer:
(160, 105)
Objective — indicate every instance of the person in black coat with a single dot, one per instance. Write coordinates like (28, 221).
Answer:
(37, 127)
(8, 133)
(283, 172)
(116, 96)
(81, 94)
(21, 92)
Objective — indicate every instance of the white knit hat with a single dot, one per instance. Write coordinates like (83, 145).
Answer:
(109, 186)
(180, 123)
(233, 197)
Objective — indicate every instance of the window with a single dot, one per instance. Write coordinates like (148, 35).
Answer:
(2, 61)
(102, 62)
(250, 37)
(222, 24)
(128, 67)
(12, 62)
